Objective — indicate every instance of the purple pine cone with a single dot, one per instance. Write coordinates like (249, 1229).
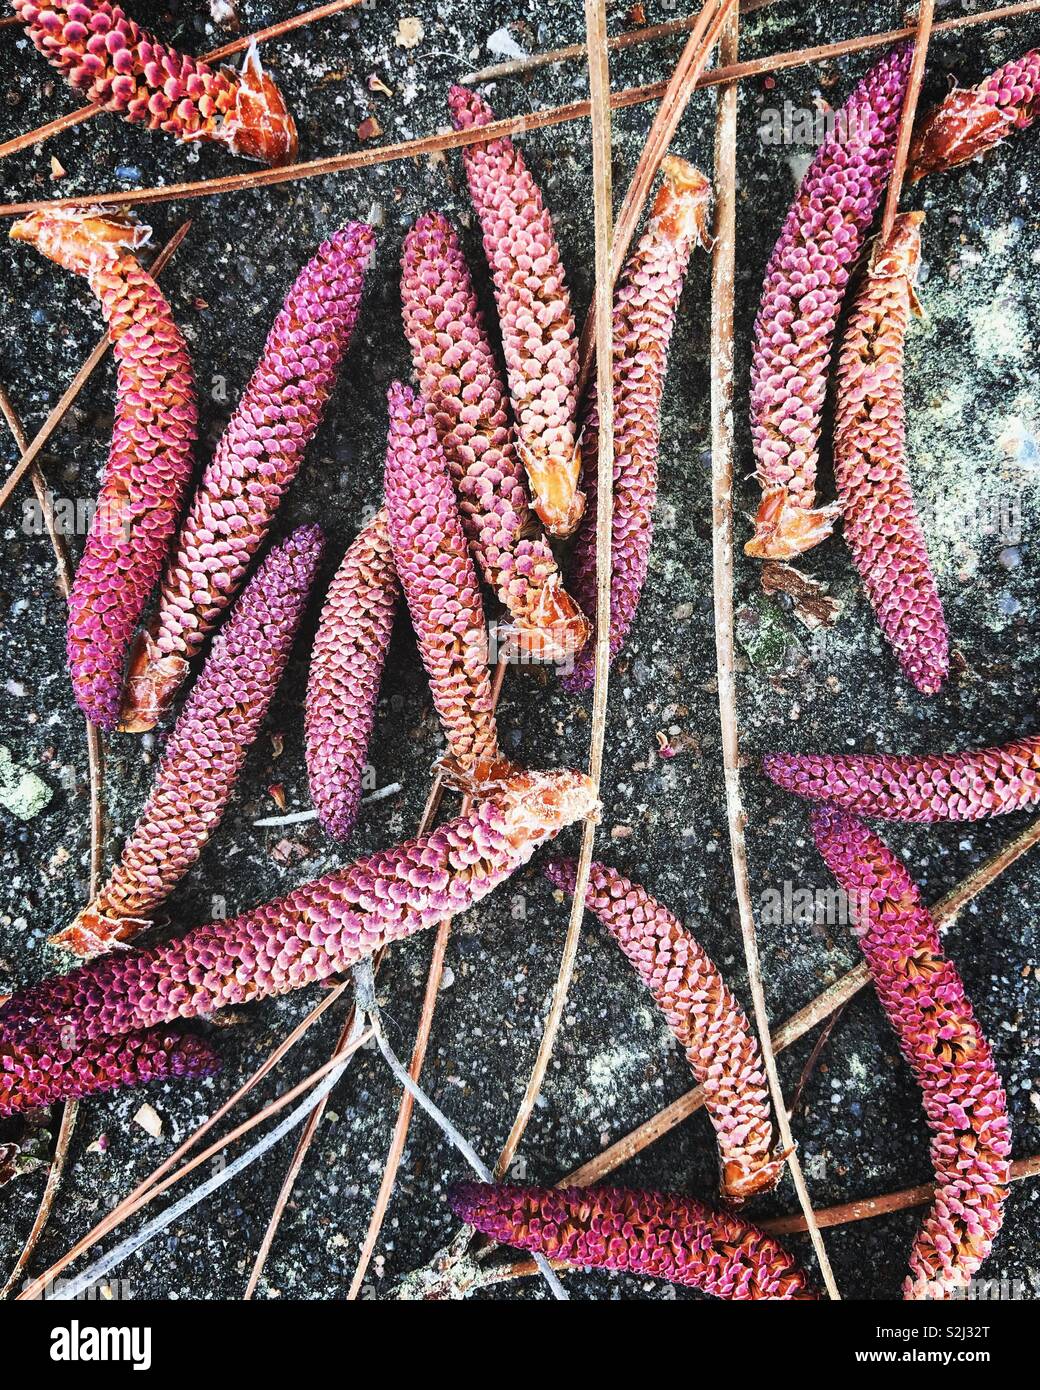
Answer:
(346, 666)
(318, 930)
(257, 458)
(33, 1077)
(440, 584)
(645, 302)
(207, 748)
(804, 286)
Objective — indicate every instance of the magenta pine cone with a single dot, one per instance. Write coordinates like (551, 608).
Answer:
(460, 382)
(880, 520)
(205, 752)
(440, 585)
(534, 311)
(33, 1077)
(319, 929)
(971, 121)
(922, 994)
(121, 68)
(346, 666)
(257, 458)
(929, 787)
(642, 1233)
(645, 303)
(702, 1013)
(150, 459)
(804, 286)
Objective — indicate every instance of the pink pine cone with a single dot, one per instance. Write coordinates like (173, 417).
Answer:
(908, 787)
(151, 457)
(346, 667)
(923, 997)
(205, 752)
(257, 458)
(645, 303)
(643, 1233)
(34, 1077)
(881, 525)
(805, 283)
(460, 382)
(122, 68)
(319, 929)
(972, 121)
(534, 312)
(439, 583)
(702, 1013)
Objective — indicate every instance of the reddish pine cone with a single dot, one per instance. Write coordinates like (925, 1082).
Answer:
(534, 311)
(440, 584)
(940, 786)
(705, 1018)
(31, 1077)
(804, 286)
(257, 458)
(922, 994)
(318, 930)
(346, 666)
(880, 520)
(645, 303)
(645, 1233)
(971, 121)
(150, 459)
(122, 68)
(460, 382)
(206, 750)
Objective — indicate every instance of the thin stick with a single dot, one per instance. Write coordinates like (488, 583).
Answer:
(54, 1176)
(85, 113)
(906, 119)
(54, 419)
(370, 157)
(812, 1061)
(599, 88)
(722, 453)
(406, 1106)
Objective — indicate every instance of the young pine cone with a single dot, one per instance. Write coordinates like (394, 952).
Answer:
(460, 382)
(317, 930)
(880, 521)
(257, 458)
(645, 303)
(346, 666)
(205, 752)
(804, 287)
(534, 311)
(151, 456)
(441, 587)
(704, 1017)
(971, 121)
(923, 997)
(120, 67)
(651, 1234)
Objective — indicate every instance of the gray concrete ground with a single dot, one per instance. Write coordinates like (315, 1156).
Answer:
(973, 416)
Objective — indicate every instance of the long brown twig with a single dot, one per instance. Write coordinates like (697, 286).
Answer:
(32, 451)
(86, 113)
(599, 88)
(513, 125)
(722, 468)
(925, 17)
